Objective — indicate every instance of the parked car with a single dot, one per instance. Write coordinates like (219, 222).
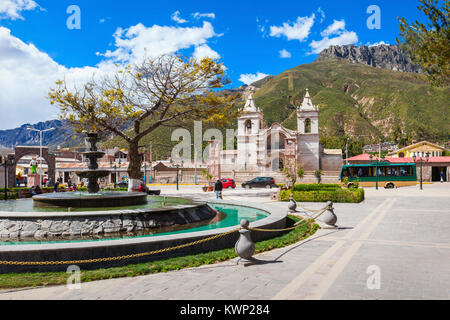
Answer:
(260, 182)
(228, 183)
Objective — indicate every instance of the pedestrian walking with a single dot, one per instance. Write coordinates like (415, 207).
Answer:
(218, 187)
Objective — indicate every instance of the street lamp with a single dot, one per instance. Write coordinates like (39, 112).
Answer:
(115, 171)
(376, 169)
(6, 162)
(40, 149)
(427, 157)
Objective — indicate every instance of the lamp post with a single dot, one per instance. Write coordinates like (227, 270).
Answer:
(115, 171)
(427, 157)
(177, 166)
(7, 162)
(376, 169)
(40, 149)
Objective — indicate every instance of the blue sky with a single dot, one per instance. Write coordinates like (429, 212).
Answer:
(252, 38)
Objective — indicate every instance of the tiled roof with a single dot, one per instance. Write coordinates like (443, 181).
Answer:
(431, 159)
(366, 157)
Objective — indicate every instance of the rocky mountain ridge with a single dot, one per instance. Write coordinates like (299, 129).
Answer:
(390, 57)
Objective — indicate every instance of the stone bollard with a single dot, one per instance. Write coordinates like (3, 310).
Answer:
(292, 204)
(328, 216)
(245, 248)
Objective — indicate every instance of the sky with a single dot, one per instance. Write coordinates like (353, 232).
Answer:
(42, 41)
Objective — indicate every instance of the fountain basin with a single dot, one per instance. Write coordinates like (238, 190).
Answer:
(76, 250)
(89, 200)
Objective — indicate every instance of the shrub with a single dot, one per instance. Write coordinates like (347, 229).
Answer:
(337, 195)
(315, 187)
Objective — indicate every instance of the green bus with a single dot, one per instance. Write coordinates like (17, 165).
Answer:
(387, 175)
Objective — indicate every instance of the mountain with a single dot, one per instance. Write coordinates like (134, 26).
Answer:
(390, 57)
(61, 136)
(359, 101)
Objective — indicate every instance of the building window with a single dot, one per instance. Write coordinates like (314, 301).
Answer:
(401, 155)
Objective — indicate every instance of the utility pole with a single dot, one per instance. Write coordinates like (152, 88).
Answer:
(346, 151)
(151, 163)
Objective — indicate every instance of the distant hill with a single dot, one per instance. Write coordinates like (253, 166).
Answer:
(62, 136)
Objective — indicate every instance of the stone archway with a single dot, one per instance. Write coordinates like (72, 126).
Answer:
(21, 151)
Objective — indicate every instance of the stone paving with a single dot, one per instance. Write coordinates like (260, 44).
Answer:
(402, 234)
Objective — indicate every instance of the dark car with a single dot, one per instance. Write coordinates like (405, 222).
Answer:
(260, 182)
(228, 183)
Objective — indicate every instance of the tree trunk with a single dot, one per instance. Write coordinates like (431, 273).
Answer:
(134, 168)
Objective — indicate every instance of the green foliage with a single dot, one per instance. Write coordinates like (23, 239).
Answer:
(337, 195)
(428, 45)
(300, 173)
(316, 187)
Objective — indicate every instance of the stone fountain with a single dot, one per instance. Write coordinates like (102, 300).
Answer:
(93, 198)
(92, 156)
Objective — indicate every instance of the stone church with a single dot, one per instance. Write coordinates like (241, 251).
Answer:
(266, 151)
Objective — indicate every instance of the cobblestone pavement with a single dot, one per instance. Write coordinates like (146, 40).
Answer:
(399, 237)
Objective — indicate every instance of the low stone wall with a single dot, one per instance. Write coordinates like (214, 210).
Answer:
(113, 248)
(46, 225)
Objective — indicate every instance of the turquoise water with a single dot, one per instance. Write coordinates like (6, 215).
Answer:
(26, 205)
(232, 215)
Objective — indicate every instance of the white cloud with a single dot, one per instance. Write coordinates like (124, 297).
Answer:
(249, 78)
(10, 9)
(199, 15)
(203, 51)
(334, 28)
(285, 54)
(343, 37)
(322, 15)
(176, 17)
(138, 41)
(377, 44)
(347, 37)
(26, 69)
(299, 30)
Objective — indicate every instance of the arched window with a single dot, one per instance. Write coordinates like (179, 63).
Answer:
(248, 126)
(308, 126)
(401, 155)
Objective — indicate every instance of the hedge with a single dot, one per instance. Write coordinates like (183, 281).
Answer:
(338, 195)
(316, 187)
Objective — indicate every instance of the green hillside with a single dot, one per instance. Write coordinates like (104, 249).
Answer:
(357, 101)
(362, 102)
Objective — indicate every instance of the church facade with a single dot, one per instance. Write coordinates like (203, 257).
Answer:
(266, 151)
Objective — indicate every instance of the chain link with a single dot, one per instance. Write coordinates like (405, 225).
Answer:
(129, 256)
(137, 255)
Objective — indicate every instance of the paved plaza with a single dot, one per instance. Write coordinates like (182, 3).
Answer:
(394, 245)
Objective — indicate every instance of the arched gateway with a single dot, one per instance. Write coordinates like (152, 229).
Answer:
(21, 151)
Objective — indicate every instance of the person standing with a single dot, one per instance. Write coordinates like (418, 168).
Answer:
(442, 176)
(218, 187)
